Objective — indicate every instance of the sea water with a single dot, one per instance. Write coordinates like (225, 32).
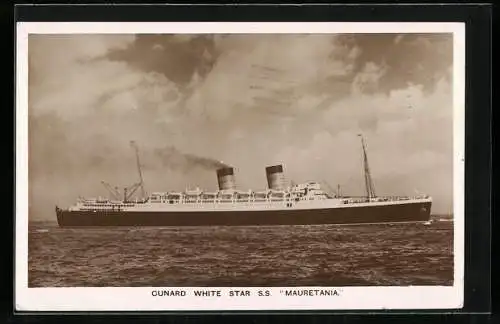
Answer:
(319, 255)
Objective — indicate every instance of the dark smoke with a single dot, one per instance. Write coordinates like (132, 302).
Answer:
(172, 158)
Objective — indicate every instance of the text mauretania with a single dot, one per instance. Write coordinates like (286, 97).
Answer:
(242, 292)
(311, 292)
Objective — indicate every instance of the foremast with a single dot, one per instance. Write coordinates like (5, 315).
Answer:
(128, 192)
(141, 183)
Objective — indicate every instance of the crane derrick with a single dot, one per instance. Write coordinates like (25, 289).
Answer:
(113, 191)
(128, 192)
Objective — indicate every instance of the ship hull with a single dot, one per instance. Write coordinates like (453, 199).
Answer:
(394, 213)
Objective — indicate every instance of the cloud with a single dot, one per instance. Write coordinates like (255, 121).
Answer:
(177, 57)
(247, 100)
(410, 58)
(368, 78)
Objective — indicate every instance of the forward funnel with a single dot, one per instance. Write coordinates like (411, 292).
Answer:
(225, 178)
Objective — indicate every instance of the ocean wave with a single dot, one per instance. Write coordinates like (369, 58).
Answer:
(402, 254)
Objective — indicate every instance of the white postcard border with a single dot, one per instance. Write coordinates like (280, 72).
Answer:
(141, 298)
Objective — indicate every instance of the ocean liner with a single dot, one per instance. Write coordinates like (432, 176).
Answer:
(280, 204)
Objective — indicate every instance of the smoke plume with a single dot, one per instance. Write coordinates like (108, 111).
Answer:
(185, 162)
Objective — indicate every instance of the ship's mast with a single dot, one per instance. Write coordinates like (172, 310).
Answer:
(128, 191)
(370, 188)
(134, 145)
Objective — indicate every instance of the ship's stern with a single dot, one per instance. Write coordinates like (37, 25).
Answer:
(59, 214)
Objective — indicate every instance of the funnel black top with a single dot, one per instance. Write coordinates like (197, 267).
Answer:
(274, 169)
(224, 172)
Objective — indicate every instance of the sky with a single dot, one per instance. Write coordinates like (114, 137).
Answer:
(195, 102)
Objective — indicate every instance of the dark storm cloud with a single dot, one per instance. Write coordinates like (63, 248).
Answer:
(177, 59)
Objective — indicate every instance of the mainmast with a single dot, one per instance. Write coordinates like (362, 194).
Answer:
(370, 188)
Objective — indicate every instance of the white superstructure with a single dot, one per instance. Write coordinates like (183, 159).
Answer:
(308, 195)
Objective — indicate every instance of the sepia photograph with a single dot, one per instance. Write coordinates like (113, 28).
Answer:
(220, 157)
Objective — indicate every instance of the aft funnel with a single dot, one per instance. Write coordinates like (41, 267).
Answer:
(275, 177)
(225, 178)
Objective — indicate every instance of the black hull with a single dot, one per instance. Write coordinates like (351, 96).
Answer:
(395, 213)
